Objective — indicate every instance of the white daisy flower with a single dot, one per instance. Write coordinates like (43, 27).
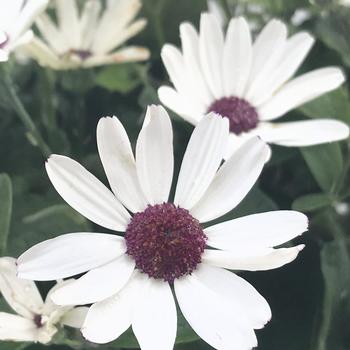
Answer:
(16, 17)
(90, 38)
(130, 278)
(248, 83)
(37, 321)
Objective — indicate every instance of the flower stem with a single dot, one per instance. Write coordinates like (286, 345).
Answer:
(23, 115)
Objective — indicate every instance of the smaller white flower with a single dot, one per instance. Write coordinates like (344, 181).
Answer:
(36, 320)
(16, 17)
(90, 37)
(249, 82)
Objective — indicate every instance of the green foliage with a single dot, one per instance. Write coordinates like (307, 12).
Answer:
(312, 202)
(121, 78)
(325, 163)
(5, 210)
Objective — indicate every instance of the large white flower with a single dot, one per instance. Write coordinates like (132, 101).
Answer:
(37, 320)
(89, 38)
(248, 83)
(129, 278)
(16, 17)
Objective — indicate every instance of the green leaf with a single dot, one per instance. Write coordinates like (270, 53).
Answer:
(5, 210)
(335, 105)
(45, 224)
(335, 266)
(325, 163)
(333, 29)
(312, 202)
(121, 78)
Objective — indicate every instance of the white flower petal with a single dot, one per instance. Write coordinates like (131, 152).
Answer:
(75, 317)
(97, 284)
(85, 193)
(258, 230)
(236, 290)
(237, 57)
(211, 45)
(88, 22)
(202, 158)
(119, 37)
(233, 181)
(155, 155)
(300, 90)
(154, 319)
(304, 133)
(68, 20)
(108, 319)
(266, 259)
(127, 54)
(296, 49)
(175, 65)
(190, 49)
(69, 255)
(51, 310)
(17, 328)
(22, 295)
(215, 318)
(173, 100)
(267, 51)
(51, 33)
(25, 18)
(118, 31)
(118, 161)
(39, 51)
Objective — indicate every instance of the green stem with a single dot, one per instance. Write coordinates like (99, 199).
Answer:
(226, 7)
(24, 116)
(340, 182)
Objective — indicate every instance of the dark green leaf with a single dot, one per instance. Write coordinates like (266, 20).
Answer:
(335, 266)
(121, 78)
(312, 202)
(325, 163)
(44, 224)
(5, 210)
(335, 105)
(333, 29)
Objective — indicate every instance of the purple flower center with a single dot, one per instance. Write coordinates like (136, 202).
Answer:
(82, 54)
(38, 321)
(4, 41)
(165, 241)
(242, 115)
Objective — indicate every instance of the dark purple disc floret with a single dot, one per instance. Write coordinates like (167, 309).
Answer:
(241, 114)
(165, 241)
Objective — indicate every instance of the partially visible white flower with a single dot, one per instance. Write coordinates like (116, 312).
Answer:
(129, 279)
(89, 38)
(216, 10)
(16, 17)
(344, 2)
(250, 83)
(342, 208)
(36, 320)
(300, 16)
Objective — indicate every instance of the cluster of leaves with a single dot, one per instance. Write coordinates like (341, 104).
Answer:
(310, 298)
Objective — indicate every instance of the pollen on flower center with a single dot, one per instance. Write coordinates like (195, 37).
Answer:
(82, 54)
(165, 241)
(241, 115)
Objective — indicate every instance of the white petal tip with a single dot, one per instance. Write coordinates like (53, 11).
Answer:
(300, 247)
